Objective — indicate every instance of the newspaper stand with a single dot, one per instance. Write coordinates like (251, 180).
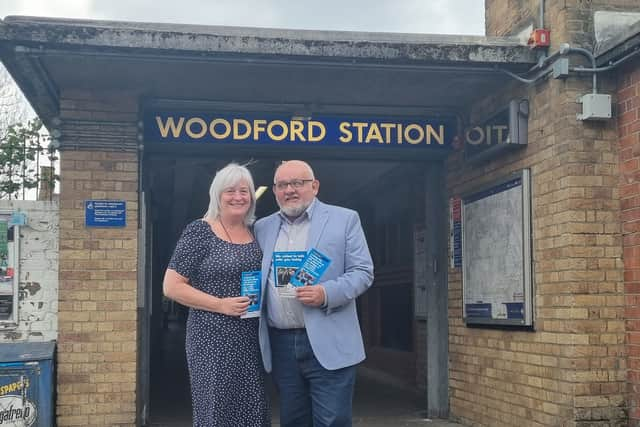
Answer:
(26, 384)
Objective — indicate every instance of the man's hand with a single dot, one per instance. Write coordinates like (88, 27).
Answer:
(311, 295)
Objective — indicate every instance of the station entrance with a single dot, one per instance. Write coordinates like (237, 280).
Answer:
(397, 200)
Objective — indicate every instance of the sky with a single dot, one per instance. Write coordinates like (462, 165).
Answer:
(463, 17)
(401, 16)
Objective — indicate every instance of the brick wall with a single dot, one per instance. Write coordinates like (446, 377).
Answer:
(97, 348)
(569, 20)
(38, 295)
(628, 106)
(505, 17)
(569, 370)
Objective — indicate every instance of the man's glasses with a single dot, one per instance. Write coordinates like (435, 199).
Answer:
(294, 183)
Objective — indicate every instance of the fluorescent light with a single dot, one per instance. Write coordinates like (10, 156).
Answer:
(260, 191)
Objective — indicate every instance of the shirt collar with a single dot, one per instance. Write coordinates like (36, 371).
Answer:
(305, 215)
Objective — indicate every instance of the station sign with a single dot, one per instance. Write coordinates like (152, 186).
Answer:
(272, 130)
(503, 131)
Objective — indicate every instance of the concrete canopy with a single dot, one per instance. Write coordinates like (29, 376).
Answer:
(624, 41)
(186, 62)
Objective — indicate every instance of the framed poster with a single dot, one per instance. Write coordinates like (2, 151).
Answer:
(9, 268)
(496, 253)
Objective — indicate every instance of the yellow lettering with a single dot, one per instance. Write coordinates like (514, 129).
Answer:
(480, 135)
(258, 128)
(297, 127)
(239, 134)
(431, 132)
(214, 133)
(170, 125)
(203, 127)
(409, 138)
(387, 131)
(374, 133)
(283, 133)
(315, 131)
(10, 388)
(347, 135)
(500, 129)
(360, 126)
(319, 125)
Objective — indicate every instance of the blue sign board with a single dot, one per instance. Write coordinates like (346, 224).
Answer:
(455, 206)
(478, 310)
(291, 131)
(457, 244)
(515, 310)
(105, 213)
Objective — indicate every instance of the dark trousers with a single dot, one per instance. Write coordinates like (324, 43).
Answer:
(310, 395)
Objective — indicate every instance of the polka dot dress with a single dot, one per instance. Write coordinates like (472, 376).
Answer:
(223, 354)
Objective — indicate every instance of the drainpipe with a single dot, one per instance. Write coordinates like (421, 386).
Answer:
(542, 53)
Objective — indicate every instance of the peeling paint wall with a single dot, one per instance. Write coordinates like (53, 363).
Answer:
(38, 292)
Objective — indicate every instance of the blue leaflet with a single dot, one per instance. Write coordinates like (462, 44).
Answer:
(313, 267)
(250, 286)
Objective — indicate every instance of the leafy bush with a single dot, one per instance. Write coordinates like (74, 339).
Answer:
(21, 148)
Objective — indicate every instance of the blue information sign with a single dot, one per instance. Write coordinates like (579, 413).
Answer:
(457, 244)
(478, 310)
(105, 213)
(456, 231)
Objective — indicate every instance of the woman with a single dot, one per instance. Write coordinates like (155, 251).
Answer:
(227, 379)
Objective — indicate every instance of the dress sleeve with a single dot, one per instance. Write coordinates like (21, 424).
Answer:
(190, 249)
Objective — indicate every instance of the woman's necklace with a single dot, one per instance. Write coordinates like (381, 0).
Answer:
(226, 231)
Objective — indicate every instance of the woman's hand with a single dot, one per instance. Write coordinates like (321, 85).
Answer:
(177, 288)
(233, 306)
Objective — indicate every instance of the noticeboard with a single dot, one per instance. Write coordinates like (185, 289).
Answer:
(496, 253)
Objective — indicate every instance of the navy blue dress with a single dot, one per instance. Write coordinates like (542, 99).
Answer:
(223, 354)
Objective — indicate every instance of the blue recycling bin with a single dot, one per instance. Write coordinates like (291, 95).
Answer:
(26, 384)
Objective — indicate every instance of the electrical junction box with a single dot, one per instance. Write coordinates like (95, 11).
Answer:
(595, 106)
(560, 68)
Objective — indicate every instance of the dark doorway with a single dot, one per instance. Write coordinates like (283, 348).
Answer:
(390, 198)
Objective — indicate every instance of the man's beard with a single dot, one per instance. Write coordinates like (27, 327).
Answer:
(294, 211)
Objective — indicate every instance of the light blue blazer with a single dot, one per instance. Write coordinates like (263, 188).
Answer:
(334, 331)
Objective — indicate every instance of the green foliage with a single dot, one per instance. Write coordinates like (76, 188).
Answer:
(20, 148)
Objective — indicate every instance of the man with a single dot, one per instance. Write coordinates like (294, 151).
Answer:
(313, 341)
